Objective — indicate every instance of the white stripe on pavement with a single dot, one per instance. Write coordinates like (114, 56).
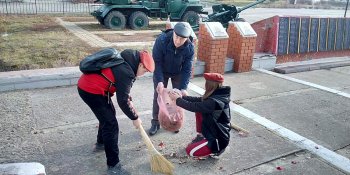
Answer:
(331, 157)
(305, 83)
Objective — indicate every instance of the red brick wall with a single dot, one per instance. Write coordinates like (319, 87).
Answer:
(212, 51)
(241, 49)
(267, 31)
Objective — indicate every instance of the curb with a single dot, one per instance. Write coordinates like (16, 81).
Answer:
(65, 76)
(313, 65)
(39, 78)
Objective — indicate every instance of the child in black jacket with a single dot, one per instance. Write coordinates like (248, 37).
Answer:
(212, 116)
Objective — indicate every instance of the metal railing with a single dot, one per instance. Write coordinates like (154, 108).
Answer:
(47, 6)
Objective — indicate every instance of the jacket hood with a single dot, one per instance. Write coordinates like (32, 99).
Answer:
(132, 57)
(223, 93)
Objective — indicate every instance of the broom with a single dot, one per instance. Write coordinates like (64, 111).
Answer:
(159, 164)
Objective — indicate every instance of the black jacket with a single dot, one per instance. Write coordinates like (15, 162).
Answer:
(125, 75)
(216, 116)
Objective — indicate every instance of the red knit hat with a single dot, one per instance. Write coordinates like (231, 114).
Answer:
(214, 77)
(147, 60)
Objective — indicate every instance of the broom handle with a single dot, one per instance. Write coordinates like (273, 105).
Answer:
(237, 128)
(146, 139)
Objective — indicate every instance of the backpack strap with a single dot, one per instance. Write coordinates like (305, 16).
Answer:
(111, 83)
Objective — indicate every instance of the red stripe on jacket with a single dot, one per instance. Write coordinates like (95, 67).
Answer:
(97, 84)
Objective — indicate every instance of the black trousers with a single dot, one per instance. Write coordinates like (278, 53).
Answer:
(108, 125)
(175, 82)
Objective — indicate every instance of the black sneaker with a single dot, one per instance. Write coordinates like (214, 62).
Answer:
(117, 169)
(218, 154)
(154, 128)
(198, 138)
(99, 147)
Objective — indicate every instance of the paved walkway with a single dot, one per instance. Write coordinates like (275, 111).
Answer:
(294, 128)
(94, 41)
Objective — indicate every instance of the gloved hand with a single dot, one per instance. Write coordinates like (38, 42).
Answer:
(160, 87)
(184, 92)
(137, 123)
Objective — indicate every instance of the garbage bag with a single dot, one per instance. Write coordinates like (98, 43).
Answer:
(170, 115)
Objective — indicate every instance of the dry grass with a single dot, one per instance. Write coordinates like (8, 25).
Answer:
(38, 42)
(78, 18)
(99, 27)
(32, 42)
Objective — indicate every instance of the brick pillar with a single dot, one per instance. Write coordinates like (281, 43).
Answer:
(241, 45)
(212, 46)
(170, 25)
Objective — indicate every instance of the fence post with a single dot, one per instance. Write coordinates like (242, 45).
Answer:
(6, 7)
(36, 8)
(63, 7)
(89, 6)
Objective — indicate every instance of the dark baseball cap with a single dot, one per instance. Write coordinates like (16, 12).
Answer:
(182, 30)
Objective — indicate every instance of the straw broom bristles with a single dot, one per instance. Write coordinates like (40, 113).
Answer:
(159, 164)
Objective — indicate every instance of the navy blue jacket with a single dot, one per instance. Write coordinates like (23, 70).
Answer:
(171, 61)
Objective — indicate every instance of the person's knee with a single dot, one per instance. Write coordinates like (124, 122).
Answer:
(198, 149)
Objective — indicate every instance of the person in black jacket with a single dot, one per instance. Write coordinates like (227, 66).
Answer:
(173, 54)
(212, 116)
(96, 90)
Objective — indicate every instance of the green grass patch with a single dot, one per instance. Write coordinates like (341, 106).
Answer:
(33, 42)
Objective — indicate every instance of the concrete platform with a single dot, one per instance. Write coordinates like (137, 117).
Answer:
(53, 126)
(32, 168)
(310, 65)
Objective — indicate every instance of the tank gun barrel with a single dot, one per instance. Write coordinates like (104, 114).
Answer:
(249, 5)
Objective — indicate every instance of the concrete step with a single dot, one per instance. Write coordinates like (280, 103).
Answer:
(32, 168)
(310, 65)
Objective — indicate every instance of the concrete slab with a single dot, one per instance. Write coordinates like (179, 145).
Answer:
(254, 84)
(344, 151)
(18, 143)
(314, 64)
(64, 131)
(329, 78)
(53, 126)
(345, 70)
(70, 150)
(22, 168)
(298, 163)
(320, 116)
